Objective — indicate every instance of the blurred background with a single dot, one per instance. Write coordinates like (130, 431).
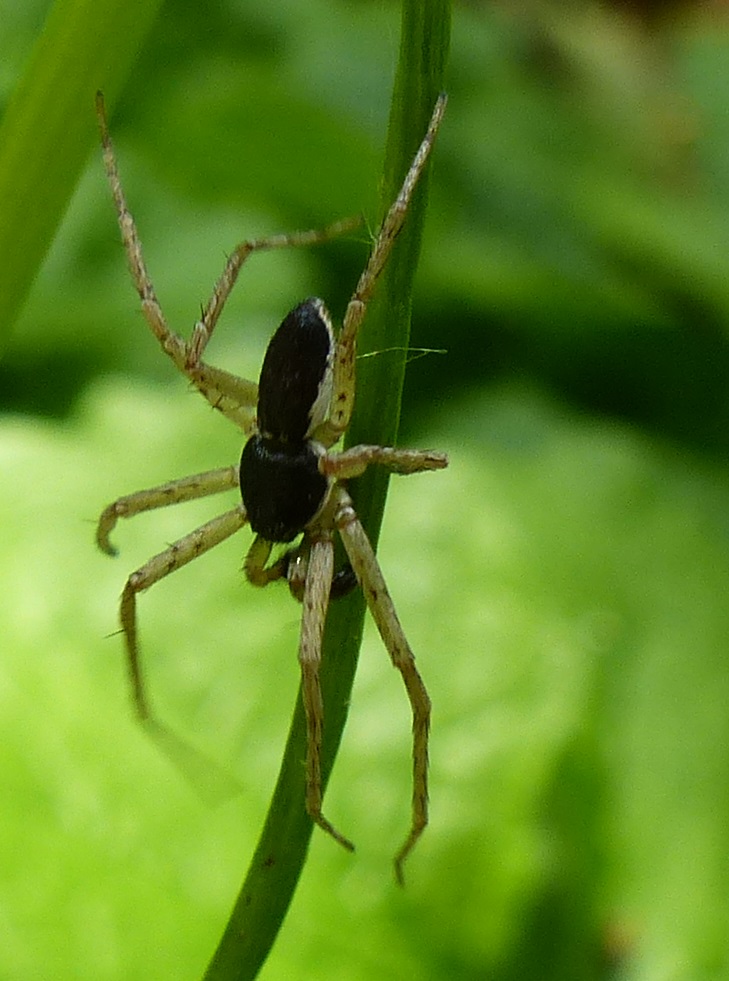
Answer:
(564, 583)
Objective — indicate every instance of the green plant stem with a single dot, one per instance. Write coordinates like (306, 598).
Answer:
(281, 852)
(49, 127)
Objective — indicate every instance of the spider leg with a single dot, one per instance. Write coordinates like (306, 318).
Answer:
(355, 460)
(292, 565)
(173, 492)
(235, 401)
(395, 217)
(316, 600)
(203, 329)
(255, 568)
(343, 388)
(343, 580)
(234, 397)
(181, 552)
(364, 562)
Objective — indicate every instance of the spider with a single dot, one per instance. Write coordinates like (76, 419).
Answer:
(292, 483)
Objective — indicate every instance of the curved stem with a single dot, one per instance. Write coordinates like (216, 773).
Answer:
(281, 852)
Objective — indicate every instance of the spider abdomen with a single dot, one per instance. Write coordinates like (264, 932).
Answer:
(281, 487)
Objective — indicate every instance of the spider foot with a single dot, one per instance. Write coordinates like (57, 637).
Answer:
(410, 843)
(318, 818)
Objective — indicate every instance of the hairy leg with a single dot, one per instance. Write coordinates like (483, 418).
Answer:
(344, 361)
(355, 460)
(369, 574)
(190, 547)
(172, 492)
(316, 599)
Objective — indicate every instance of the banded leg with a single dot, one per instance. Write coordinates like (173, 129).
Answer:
(316, 599)
(204, 328)
(173, 492)
(184, 550)
(369, 574)
(234, 398)
(355, 460)
(343, 394)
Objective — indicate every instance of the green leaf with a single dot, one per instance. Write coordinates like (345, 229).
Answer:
(49, 127)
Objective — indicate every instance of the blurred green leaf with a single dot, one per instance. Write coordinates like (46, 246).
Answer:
(48, 126)
(563, 588)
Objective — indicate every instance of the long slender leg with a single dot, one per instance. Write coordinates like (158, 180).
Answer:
(204, 327)
(316, 599)
(398, 210)
(234, 399)
(355, 460)
(343, 388)
(198, 542)
(369, 574)
(237, 396)
(173, 492)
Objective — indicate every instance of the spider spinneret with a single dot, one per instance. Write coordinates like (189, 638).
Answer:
(291, 481)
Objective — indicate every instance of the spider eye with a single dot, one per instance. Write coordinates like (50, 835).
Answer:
(295, 382)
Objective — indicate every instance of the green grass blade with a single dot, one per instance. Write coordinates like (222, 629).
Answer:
(49, 127)
(282, 848)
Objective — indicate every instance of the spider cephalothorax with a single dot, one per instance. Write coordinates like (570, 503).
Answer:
(292, 482)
